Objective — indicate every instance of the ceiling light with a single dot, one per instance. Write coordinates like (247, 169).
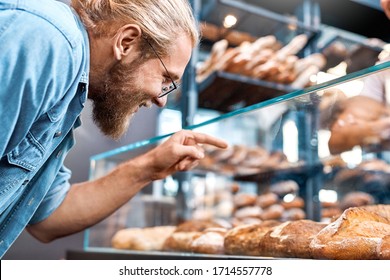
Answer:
(229, 21)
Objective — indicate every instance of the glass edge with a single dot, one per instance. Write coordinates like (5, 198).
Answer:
(129, 147)
(298, 93)
(279, 99)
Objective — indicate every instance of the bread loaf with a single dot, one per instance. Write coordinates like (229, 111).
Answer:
(245, 239)
(266, 200)
(210, 241)
(290, 239)
(244, 199)
(356, 199)
(274, 212)
(293, 214)
(144, 239)
(297, 202)
(356, 234)
(284, 187)
(331, 212)
(180, 241)
(248, 212)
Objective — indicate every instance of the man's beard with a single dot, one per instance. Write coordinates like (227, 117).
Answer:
(116, 98)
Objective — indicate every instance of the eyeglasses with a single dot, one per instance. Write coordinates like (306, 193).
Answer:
(165, 90)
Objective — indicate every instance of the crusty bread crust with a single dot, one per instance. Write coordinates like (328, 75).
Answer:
(245, 239)
(143, 239)
(290, 239)
(356, 234)
(383, 250)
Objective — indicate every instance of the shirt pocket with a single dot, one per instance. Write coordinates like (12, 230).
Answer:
(28, 154)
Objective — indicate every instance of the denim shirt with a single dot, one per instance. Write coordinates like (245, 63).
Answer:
(44, 67)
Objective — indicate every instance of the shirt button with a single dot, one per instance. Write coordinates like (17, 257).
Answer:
(59, 154)
(57, 134)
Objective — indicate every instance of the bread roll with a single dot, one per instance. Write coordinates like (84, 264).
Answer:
(244, 199)
(249, 212)
(245, 239)
(331, 212)
(246, 221)
(144, 239)
(290, 239)
(274, 212)
(293, 214)
(196, 225)
(255, 157)
(238, 155)
(266, 200)
(297, 202)
(284, 187)
(356, 199)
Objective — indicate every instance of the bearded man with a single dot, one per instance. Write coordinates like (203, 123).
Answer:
(122, 54)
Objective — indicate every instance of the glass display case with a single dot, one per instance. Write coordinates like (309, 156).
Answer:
(279, 149)
(250, 53)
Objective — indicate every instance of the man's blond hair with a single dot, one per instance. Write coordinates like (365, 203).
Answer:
(161, 21)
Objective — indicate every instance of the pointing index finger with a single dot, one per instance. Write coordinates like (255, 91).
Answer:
(202, 138)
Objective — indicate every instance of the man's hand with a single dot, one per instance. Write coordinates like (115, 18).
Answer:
(182, 151)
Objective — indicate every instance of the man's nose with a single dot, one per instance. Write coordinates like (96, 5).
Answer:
(161, 102)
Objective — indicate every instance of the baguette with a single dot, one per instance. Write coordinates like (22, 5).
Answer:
(292, 48)
(304, 77)
(316, 59)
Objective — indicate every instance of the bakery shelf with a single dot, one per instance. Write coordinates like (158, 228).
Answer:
(115, 254)
(297, 173)
(226, 92)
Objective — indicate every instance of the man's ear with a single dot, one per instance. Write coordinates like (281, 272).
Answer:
(126, 40)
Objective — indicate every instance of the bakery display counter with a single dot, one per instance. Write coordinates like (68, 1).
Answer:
(274, 185)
